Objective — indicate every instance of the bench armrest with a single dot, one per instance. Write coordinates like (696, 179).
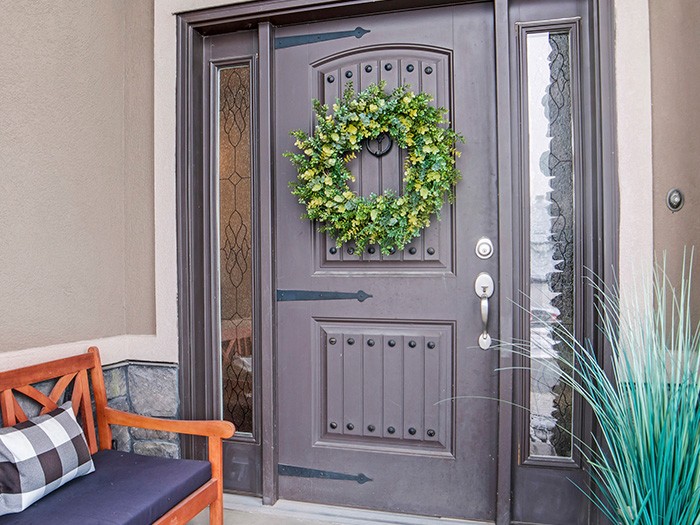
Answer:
(215, 429)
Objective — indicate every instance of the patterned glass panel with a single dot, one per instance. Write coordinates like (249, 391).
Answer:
(236, 270)
(551, 175)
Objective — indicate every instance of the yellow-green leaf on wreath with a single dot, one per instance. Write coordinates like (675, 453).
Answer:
(316, 187)
(373, 214)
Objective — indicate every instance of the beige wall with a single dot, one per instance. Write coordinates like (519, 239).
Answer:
(76, 171)
(138, 176)
(675, 77)
(633, 140)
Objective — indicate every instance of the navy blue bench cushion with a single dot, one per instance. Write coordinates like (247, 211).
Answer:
(124, 489)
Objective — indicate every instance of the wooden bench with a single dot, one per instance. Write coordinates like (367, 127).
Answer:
(71, 375)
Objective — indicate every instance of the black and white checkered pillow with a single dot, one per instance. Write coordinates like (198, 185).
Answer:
(40, 455)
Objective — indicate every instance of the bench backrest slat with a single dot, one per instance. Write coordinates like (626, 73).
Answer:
(45, 401)
(68, 371)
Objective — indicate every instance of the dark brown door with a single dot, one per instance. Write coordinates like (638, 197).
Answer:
(389, 403)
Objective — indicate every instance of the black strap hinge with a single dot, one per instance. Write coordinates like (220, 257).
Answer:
(303, 472)
(300, 40)
(311, 295)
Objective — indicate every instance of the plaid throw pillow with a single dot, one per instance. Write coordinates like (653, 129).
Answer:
(40, 455)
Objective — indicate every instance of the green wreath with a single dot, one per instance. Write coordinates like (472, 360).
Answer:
(430, 173)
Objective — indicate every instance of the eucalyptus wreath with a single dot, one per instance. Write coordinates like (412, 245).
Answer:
(430, 173)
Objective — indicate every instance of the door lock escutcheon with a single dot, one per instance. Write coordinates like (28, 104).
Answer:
(484, 248)
(484, 287)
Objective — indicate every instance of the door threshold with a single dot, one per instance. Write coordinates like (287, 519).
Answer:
(334, 515)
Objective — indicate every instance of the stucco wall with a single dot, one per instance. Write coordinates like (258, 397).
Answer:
(633, 140)
(675, 77)
(138, 175)
(76, 177)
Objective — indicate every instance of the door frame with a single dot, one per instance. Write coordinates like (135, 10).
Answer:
(196, 242)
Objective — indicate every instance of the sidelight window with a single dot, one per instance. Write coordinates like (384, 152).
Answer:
(235, 245)
(550, 165)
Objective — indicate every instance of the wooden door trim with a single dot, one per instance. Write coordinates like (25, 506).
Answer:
(196, 329)
(506, 265)
(600, 215)
(225, 19)
(197, 234)
(608, 195)
(268, 312)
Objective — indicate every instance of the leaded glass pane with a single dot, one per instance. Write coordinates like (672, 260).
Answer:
(235, 238)
(551, 188)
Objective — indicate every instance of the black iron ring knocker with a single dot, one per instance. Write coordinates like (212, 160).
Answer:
(379, 146)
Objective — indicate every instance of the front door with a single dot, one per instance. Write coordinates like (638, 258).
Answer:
(389, 402)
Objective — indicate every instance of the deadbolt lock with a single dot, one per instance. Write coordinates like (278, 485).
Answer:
(484, 248)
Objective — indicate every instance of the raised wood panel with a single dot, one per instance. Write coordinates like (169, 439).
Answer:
(385, 384)
(424, 69)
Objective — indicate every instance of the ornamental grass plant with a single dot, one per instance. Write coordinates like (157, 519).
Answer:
(645, 462)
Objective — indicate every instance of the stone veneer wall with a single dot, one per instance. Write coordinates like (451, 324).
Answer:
(149, 390)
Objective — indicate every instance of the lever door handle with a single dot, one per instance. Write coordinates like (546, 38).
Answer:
(483, 286)
(484, 315)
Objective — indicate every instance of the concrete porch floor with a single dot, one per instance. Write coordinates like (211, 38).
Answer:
(243, 510)
(239, 517)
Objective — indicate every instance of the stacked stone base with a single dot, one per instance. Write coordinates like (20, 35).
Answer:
(149, 390)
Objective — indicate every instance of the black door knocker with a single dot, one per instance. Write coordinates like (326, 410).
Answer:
(379, 146)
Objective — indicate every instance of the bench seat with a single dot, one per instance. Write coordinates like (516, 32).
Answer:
(125, 489)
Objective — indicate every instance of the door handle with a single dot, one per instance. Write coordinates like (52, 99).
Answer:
(483, 286)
